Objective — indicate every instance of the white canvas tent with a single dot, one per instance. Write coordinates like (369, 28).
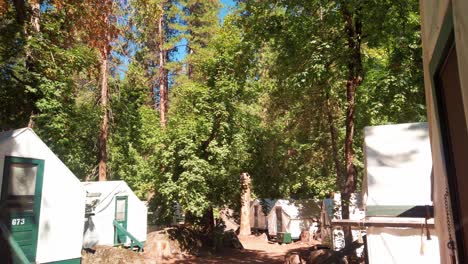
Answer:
(332, 207)
(292, 216)
(42, 200)
(397, 180)
(108, 201)
(331, 210)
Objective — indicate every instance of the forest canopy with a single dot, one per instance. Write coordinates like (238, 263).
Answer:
(179, 100)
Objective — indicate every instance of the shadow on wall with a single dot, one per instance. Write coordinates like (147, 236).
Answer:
(395, 160)
(90, 235)
(383, 160)
(230, 218)
(309, 211)
(423, 129)
(5, 250)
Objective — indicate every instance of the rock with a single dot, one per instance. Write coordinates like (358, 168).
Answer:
(263, 237)
(231, 240)
(113, 255)
(318, 256)
(292, 258)
(305, 236)
(163, 249)
(159, 244)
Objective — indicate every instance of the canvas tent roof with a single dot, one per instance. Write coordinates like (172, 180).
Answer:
(100, 193)
(101, 187)
(293, 208)
(13, 133)
(33, 147)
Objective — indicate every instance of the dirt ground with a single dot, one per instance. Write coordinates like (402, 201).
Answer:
(256, 250)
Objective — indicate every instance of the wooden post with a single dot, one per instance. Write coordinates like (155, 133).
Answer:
(102, 142)
(244, 229)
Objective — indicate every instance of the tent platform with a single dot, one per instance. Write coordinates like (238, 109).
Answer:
(385, 222)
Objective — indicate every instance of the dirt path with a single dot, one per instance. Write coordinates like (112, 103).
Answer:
(255, 250)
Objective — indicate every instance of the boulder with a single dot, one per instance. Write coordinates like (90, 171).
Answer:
(318, 256)
(231, 240)
(305, 236)
(292, 258)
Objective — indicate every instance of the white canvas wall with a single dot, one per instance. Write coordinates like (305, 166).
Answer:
(296, 216)
(105, 211)
(296, 226)
(63, 198)
(331, 210)
(398, 172)
(262, 218)
(104, 229)
(401, 246)
(398, 165)
(272, 224)
(227, 216)
(137, 217)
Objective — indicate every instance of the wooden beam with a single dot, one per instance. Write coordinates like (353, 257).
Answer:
(419, 211)
(384, 222)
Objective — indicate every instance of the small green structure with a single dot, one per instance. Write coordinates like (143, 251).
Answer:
(283, 237)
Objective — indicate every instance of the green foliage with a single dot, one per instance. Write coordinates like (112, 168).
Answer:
(303, 62)
(40, 82)
(210, 129)
(135, 134)
(255, 94)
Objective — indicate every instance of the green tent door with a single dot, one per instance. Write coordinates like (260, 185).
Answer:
(121, 206)
(20, 201)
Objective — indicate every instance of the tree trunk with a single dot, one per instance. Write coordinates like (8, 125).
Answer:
(208, 221)
(35, 15)
(189, 218)
(190, 50)
(20, 10)
(163, 80)
(104, 123)
(31, 120)
(189, 66)
(334, 145)
(353, 31)
(245, 205)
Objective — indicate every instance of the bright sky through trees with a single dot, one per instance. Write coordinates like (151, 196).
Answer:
(224, 10)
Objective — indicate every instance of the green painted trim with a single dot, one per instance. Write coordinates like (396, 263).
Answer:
(66, 261)
(446, 41)
(399, 211)
(438, 57)
(132, 238)
(9, 160)
(446, 31)
(117, 198)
